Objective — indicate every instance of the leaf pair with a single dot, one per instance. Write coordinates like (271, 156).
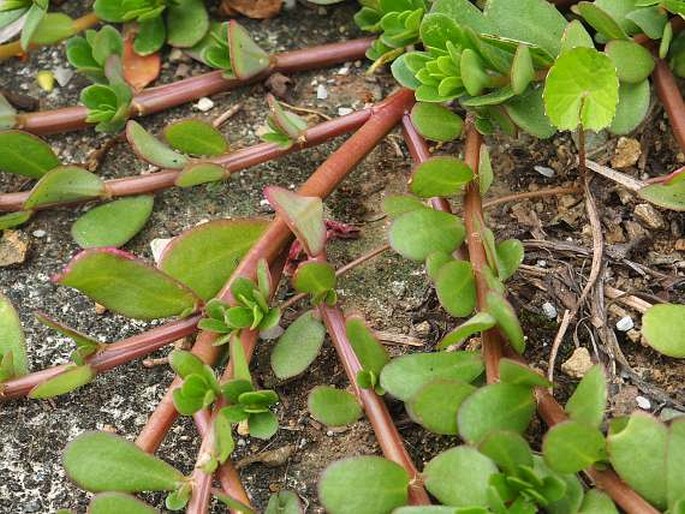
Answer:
(286, 128)
(89, 53)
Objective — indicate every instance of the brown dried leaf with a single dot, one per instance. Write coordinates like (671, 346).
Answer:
(139, 70)
(259, 9)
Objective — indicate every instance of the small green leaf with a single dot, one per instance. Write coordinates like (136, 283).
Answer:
(125, 285)
(70, 379)
(516, 373)
(675, 464)
(247, 59)
(286, 123)
(7, 117)
(262, 425)
(195, 137)
(478, 323)
(233, 504)
(179, 498)
(371, 353)
(633, 105)
(633, 62)
(284, 502)
(204, 257)
(151, 36)
(436, 122)
(509, 450)
(456, 288)
(473, 74)
(114, 223)
(304, 216)
(440, 176)
(638, 454)
(25, 154)
(435, 405)
(504, 314)
(14, 219)
(597, 502)
(33, 19)
(508, 257)
(118, 503)
(105, 42)
(333, 407)
(65, 184)
(528, 112)
(298, 346)
(314, 278)
(495, 407)
(379, 486)
(187, 23)
(459, 477)
(666, 39)
(404, 376)
(663, 327)
(151, 149)
(99, 461)
(12, 340)
(570, 447)
(241, 368)
(575, 36)
(600, 20)
(417, 234)
(588, 402)
(198, 173)
(396, 205)
(670, 196)
(581, 89)
(185, 363)
(522, 70)
(485, 173)
(81, 340)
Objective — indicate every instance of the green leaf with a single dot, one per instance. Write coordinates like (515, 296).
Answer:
(7, 116)
(597, 502)
(588, 402)
(417, 234)
(663, 327)
(572, 498)
(247, 59)
(114, 223)
(379, 486)
(204, 257)
(522, 70)
(459, 477)
(485, 174)
(70, 379)
(151, 149)
(14, 219)
(12, 340)
(187, 22)
(65, 184)
(435, 405)
(33, 19)
(286, 123)
(666, 39)
(528, 112)
(473, 72)
(575, 36)
(600, 20)
(151, 36)
(402, 72)
(81, 340)
(495, 407)
(396, 205)
(440, 176)
(456, 288)
(507, 322)
(128, 286)
(533, 21)
(436, 122)
(284, 502)
(670, 196)
(107, 41)
(509, 450)
(404, 376)
(675, 464)
(508, 257)
(298, 346)
(262, 425)
(25, 154)
(478, 323)
(633, 105)
(333, 407)
(195, 137)
(571, 446)
(241, 368)
(117, 503)
(638, 454)
(233, 504)
(371, 353)
(517, 373)
(581, 89)
(198, 173)
(634, 63)
(194, 395)
(650, 20)
(99, 461)
(314, 278)
(304, 216)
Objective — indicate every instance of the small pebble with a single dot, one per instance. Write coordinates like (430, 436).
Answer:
(649, 216)
(545, 171)
(329, 433)
(578, 364)
(39, 233)
(321, 92)
(344, 111)
(643, 402)
(204, 104)
(345, 70)
(549, 310)
(625, 324)
(63, 75)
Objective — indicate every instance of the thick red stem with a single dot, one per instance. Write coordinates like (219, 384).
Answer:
(166, 96)
(375, 408)
(233, 162)
(113, 355)
(669, 94)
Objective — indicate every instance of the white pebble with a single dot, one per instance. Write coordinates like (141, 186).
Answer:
(321, 92)
(541, 264)
(157, 246)
(345, 70)
(549, 310)
(544, 171)
(643, 402)
(63, 75)
(625, 324)
(39, 233)
(344, 111)
(204, 104)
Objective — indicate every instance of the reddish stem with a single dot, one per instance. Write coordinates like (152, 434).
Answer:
(233, 162)
(376, 410)
(166, 96)
(114, 355)
(321, 183)
(669, 94)
(665, 179)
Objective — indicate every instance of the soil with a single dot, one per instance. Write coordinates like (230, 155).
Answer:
(392, 293)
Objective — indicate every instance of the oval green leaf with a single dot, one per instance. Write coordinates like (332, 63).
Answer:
(333, 407)
(195, 137)
(371, 353)
(508, 450)
(112, 224)
(187, 22)
(25, 154)
(417, 234)
(298, 346)
(99, 461)
(634, 63)
(12, 339)
(127, 286)
(200, 173)
(436, 122)
(597, 502)
(284, 502)
(435, 405)
(479, 322)
(664, 328)
(456, 288)
(633, 105)
(65, 184)
(69, 380)
(118, 503)
(670, 196)
(151, 149)
(247, 58)
(314, 278)
(570, 446)
(304, 216)
(440, 176)
(588, 402)
(517, 373)
(507, 321)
